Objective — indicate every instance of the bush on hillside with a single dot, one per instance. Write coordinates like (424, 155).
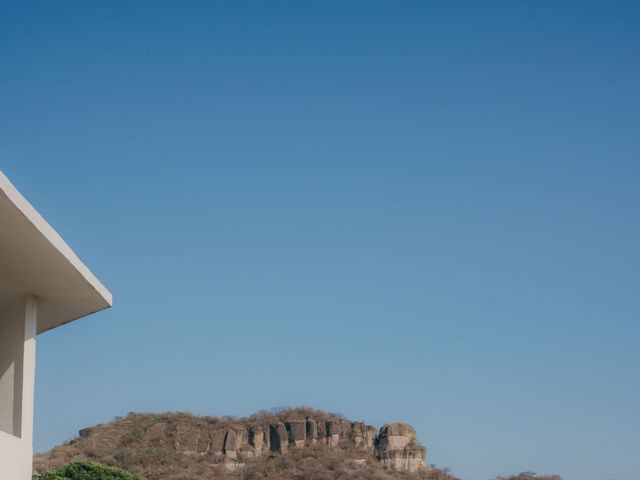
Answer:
(530, 476)
(86, 471)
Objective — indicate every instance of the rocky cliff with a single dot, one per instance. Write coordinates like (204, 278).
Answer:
(169, 445)
(397, 448)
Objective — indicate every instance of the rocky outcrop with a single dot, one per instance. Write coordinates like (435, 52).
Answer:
(297, 432)
(312, 431)
(234, 442)
(333, 430)
(256, 439)
(398, 449)
(395, 446)
(278, 438)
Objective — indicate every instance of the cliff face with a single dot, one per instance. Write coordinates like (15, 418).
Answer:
(397, 448)
(146, 442)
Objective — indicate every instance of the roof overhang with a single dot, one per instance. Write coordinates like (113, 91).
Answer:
(35, 260)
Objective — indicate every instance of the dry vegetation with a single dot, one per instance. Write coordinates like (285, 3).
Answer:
(145, 444)
(326, 464)
(530, 476)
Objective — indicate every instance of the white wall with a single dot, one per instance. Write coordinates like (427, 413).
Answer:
(16, 458)
(17, 376)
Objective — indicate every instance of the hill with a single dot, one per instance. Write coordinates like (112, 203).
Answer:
(285, 444)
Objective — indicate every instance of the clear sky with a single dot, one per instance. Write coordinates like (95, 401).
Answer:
(418, 211)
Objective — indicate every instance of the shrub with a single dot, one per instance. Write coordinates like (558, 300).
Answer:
(86, 471)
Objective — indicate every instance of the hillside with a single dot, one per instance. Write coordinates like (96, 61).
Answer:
(286, 444)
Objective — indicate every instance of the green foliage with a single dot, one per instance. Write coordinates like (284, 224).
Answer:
(86, 471)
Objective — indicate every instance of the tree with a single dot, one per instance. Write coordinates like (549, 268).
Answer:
(86, 471)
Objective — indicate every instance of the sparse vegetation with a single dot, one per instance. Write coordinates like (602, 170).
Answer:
(530, 476)
(180, 446)
(326, 464)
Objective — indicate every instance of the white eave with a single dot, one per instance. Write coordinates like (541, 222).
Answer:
(35, 260)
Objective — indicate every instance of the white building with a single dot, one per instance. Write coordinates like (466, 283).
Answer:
(43, 285)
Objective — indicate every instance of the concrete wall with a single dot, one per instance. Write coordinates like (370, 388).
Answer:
(16, 458)
(18, 324)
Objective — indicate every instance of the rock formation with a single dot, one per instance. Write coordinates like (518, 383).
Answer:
(398, 449)
(395, 445)
(233, 443)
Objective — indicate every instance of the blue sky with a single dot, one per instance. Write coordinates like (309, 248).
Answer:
(418, 211)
